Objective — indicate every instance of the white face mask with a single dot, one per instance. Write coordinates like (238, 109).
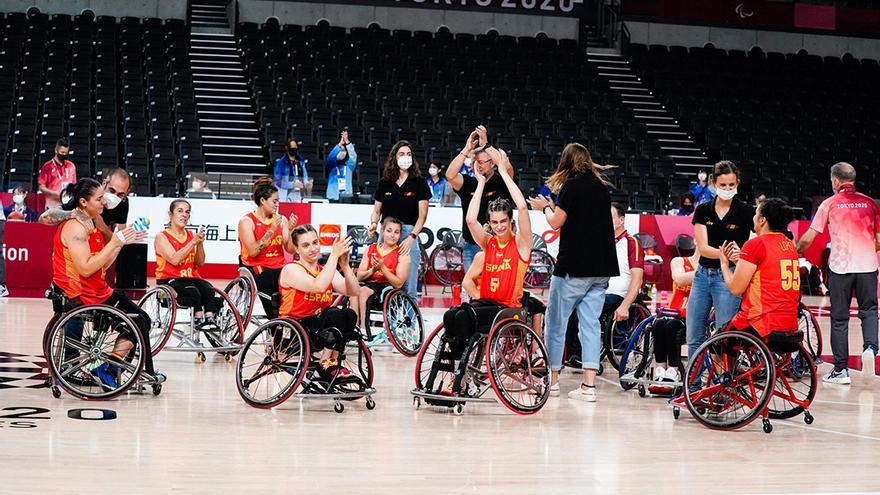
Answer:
(701, 177)
(111, 200)
(433, 171)
(404, 162)
(18, 198)
(726, 194)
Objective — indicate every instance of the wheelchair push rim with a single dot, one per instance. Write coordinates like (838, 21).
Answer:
(403, 323)
(160, 304)
(243, 294)
(518, 366)
(272, 363)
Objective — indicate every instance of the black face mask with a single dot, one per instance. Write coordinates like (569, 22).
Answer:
(687, 208)
(292, 151)
(61, 158)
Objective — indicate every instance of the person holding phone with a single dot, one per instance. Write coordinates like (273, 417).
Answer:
(264, 236)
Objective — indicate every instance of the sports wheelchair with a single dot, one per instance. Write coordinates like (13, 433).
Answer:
(278, 361)
(615, 334)
(736, 376)
(395, 318)
(79, 339)
(507, 357)
(636, 365)
(173, 334)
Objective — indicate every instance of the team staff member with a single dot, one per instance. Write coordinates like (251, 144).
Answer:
(307, 296)
(179, 255)
(117, 184)
(79, 258)
(465, 185)
(853, 221)
(56, 174)
(586, 260)
(723, 219)
(264, 236)
(403, 194)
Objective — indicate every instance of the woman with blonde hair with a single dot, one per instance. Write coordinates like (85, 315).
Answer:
(586, 260)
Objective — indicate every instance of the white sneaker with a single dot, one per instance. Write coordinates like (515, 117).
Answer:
(659, 373)
(586, 394)
(554, 390)
(3, 291)
(672, 375)
(840, 377)
(868, 362)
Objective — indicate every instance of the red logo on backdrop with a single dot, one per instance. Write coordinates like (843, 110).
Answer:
(327, 234)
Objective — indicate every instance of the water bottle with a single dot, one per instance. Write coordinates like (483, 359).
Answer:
(141, 224)
(654, 293)
(456, 295)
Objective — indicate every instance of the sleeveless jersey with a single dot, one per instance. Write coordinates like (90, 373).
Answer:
(390, 259)
(186, 268)
(298, 304)
(273, 255)
(771, 299)
(90, 290)
(680, 293)
(503, 273)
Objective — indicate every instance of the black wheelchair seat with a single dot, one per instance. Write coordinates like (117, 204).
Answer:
(784, 341)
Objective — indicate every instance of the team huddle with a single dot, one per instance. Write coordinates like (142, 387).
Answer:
(316, 314)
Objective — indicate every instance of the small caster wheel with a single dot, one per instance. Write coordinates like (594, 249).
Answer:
(157, 389)
(228, 357)
(200, 357)
(338, 407)
(676, 412)
(48, 382)
(458, 409)
(768, 428)
(808, 418)
(56, 392)
(371, 404)
(417, 402)
(642, 391)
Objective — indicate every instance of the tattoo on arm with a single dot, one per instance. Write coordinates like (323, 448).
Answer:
(54, 216)
(80, 238)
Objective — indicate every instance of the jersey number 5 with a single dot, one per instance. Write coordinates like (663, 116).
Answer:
(791, 274)
(493, 284)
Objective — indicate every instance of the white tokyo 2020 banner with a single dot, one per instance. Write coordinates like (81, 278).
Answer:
(220, 220)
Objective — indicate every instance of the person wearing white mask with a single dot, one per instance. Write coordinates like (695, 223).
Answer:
(723, 219)
(3, 291)
(702, 189)
(437, 184)
(339, 166)
(19, 211)
(403, 193)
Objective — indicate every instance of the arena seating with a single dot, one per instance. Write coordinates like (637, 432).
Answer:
(534, 94)
(120, 90)
(783, 118)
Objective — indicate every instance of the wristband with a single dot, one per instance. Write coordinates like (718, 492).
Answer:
(413, 235)
(120, 235)
(544, 209)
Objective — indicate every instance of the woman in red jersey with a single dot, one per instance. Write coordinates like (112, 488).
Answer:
(179, 255)
(307, 295)
(383, 265)
(264, 235)
(80, 259)
(767, 272)
(495, 278)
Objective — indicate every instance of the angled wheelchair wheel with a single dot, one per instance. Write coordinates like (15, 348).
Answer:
(729, 381)
(637, 356)
(447, 265)
(160, 303)
(403, 323)
(79, 347)
(808, 324)
(243, 294)
(472, 376)
(540, 270)
(434, 364)
(230, 331)
(518, 366)
(273, 363)
(618, 333)
(796, 384)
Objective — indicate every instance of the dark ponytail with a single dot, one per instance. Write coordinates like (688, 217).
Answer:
(83, 189)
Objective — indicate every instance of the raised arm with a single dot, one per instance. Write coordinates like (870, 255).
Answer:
(200, 249)
(347, 282)
(524, 223)
(453, 172)
(481, 238)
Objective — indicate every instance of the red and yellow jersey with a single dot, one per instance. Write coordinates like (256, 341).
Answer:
(186, 268)
(681, 293)
(90, 290)
(273, 255)
(390, 259)
(503, 272)
(298, 304)
(771, 299)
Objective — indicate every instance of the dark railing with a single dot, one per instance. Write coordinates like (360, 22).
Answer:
(609, 21)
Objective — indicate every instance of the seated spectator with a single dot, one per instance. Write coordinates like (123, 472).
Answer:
(686, 204)
(19, 211)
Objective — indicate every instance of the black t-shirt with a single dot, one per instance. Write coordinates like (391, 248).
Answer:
(402, 202)
(586, 239)
(737, 225)
(495, 188)
(116, 216)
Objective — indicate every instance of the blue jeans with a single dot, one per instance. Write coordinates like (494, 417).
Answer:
(468, 251)
(586, 295)
(411, 286)
(708, 290)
